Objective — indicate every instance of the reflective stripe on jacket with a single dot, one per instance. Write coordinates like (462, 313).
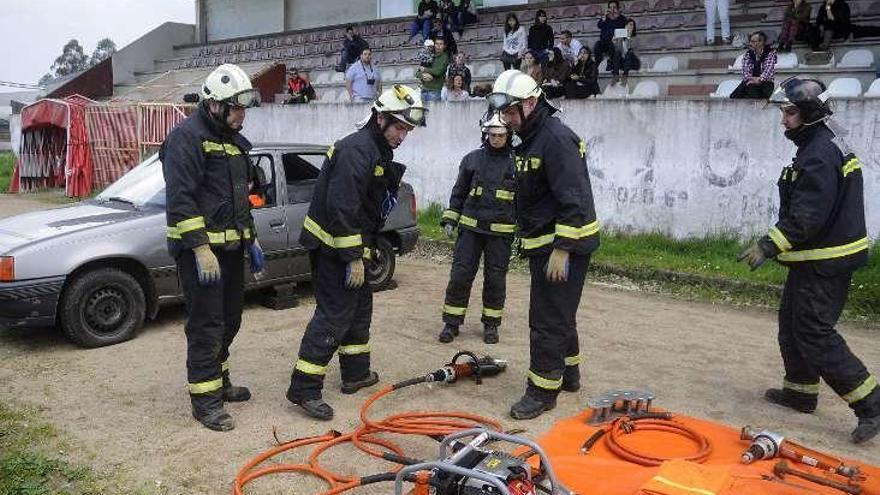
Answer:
(484, 194)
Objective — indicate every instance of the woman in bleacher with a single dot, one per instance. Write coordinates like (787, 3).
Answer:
(758, 70)
(625, 58)
(832, 22)
(531, 66)
(556, 74)
(795, 24)
(584, 79)
(541, 36)
(454, 90)
(514, 42)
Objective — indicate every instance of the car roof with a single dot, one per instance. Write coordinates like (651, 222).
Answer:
(291, 147)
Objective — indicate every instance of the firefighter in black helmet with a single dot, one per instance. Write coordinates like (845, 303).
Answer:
(482, 207)
(207, 171)
(821, 237)
(354, 194)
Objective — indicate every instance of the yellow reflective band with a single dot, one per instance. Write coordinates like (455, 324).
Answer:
(206, 387)
(544, 383)
(466, 220)
(504, 228)
(503, 194)
(351, 350)
(779, 239)
(191, 224)
(224, 366)
(348, 241)
(851, 166)
(804, 388)
(825, 253)
(573, 360)
(216, 237)
(477, 191)
(379, 171)
(862, 390)
(534, 163)
(331, 150)
(582, 148)
(536, 242)
(368, 255)
(310, 368)
(577, 232)
(665, 481)
(229, 149)
(454, 310)
(493, 313)
(451, 215)
(173, 233)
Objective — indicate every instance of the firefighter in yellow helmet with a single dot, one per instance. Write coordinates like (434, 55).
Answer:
(355, 192)
(210, 229)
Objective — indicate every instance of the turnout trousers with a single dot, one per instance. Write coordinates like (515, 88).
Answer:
(341, 323)
(554, 349)
(812, 348)
(469, 247)
(213, 317)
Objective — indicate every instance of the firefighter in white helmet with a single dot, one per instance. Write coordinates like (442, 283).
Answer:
(210, 228)
(558, 232)
(355, 192)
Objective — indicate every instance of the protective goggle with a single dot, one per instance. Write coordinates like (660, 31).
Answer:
(248, 98)
(500, 101)
(414, 116)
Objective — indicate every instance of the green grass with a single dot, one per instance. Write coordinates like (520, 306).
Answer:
(7, 163)
(32, 460)
(704, 268)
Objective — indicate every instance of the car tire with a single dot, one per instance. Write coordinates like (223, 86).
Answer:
(102, 307)
(380, 275)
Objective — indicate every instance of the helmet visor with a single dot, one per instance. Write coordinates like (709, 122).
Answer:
(414, 116)
(500, 101)
(248, 98)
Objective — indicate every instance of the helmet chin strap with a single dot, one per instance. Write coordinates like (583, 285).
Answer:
(222, 120)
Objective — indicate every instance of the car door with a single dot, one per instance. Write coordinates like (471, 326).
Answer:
(270, 219)
(301, 171)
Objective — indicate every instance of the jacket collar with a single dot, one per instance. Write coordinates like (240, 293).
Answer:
(807, 133)
(222, 132)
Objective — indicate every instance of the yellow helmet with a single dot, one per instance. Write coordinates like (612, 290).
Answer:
(403, 103)
(230, 84)
(512, 87)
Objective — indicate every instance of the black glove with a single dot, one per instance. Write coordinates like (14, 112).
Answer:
(754, 256)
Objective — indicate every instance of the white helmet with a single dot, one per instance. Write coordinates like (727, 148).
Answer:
(493, 121)
(512, 87)
(403, 103)
(229, 84)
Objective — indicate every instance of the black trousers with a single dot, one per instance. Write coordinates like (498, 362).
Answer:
(760, 91)
(341, 322)
(602, 48)
(812, 348)
(212, 322)
(469, 247)
(553, 336)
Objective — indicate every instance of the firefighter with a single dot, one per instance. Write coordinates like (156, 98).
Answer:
(207, 174)
(481, 206)
(821, 237)
(558, 232)
(355, 192)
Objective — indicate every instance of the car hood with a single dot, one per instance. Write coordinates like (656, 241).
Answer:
(27, 228)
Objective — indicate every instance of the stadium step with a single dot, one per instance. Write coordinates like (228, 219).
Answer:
(709, 63)
(690, 89)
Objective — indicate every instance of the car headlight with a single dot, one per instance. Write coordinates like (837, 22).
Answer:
(7, 268)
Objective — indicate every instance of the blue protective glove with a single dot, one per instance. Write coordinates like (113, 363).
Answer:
(258, 260)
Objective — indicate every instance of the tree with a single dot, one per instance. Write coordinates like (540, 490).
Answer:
(72, 60)
(104, 50)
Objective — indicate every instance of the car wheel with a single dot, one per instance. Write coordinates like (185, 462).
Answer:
(102, 307)
(380, 274)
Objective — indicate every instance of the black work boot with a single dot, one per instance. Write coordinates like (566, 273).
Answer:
(804, 403)
(233, 393)
(867, 429)
(208, 410)
(490, 334)
(448, 334)
(529, 407)
(371, 379)
(316, 408)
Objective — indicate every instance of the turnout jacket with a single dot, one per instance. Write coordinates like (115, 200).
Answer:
(483, 196)
(554, 200)
(821, 206)
(354, 193)
(207, 170)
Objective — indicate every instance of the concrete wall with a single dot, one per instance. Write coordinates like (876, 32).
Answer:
(141, 54)
(302, 14)
(233, 18)
(683, 168)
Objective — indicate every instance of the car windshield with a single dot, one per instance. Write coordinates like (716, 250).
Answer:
(142, 185)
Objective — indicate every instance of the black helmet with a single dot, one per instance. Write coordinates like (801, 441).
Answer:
(808, 95)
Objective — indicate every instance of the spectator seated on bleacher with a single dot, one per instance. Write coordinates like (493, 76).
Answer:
(569, 47)
(795, 25)
(448, 15)
(458, 67)
(455, 90)
(514, 44)
(440, 30)
(583, 81)
(540, 39)
(352, 46)
(466, 15)
(363, 79)
(556, 73)
(531, 66)
(424, 21)
(608, 23)
(299, 89)
(758, 69)
(625, 58)
(832, 22)
(432, 77)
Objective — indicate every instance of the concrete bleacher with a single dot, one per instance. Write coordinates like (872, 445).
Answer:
(671, 32)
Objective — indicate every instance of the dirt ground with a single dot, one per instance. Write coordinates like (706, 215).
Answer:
(126, 407)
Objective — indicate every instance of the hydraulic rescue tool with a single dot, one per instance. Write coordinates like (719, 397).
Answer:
(769, 445)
